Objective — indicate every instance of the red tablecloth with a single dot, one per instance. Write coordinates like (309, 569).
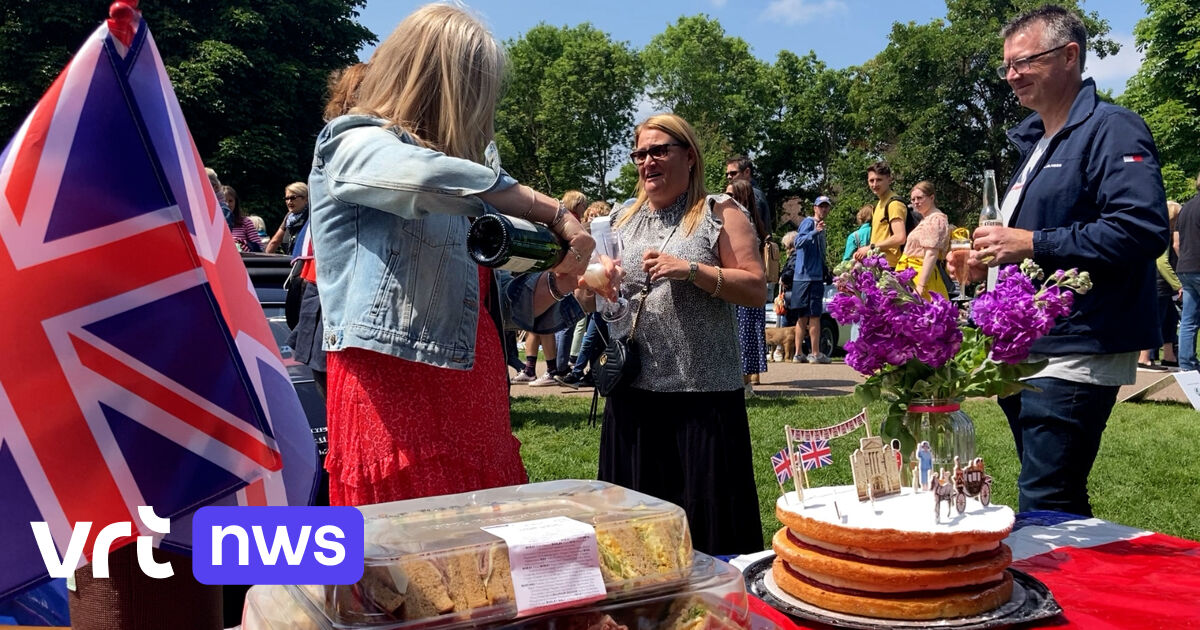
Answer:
(1105, 577)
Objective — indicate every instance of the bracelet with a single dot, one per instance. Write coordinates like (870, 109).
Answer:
(532, 203)
(559, 216)
(552, 285)
(693, 267)
(720, 280)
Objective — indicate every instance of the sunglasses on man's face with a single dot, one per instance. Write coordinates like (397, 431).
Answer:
(656, 151)
(731, 174)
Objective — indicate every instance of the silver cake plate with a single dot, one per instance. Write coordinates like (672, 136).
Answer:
(1030, 601)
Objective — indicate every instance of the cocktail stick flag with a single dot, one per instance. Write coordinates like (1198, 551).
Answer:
(136, 366)
(782, 464)
(815, 454)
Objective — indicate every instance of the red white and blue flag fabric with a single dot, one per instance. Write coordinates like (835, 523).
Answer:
(136, 366)
(815, 454)
(782, 465)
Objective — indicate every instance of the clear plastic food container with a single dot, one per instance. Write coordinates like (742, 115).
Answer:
(429, 562)
(712, 598)
(271, 607)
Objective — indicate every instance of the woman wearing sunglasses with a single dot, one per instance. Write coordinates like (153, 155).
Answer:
(678, 431)
(296, 198)
(417, 385)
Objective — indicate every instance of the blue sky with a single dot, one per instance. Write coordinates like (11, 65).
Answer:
(841, 32)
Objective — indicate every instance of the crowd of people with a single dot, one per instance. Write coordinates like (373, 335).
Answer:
(414, 342)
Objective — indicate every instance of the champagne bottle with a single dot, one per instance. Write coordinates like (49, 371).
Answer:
(990, 215)
(503, 242)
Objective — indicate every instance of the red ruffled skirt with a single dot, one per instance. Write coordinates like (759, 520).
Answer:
(401, 429)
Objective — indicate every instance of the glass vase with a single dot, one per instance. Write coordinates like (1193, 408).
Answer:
(949, 431)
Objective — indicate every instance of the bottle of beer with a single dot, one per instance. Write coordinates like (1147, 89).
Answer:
(990, 215)
(503, 242)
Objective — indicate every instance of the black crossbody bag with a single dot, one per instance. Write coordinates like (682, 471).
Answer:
(620, 363)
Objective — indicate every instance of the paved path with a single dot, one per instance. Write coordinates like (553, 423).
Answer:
(836, 379)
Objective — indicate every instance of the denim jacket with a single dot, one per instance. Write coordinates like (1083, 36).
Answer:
(390, 220)
(1097, 203)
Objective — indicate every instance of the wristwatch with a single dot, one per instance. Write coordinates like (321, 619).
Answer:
(693, 267)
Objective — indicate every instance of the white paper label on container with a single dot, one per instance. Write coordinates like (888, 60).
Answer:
(555, 563)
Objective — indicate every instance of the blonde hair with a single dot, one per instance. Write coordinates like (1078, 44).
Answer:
(865, 213)
(1173, 208)
(789, 240)
(258, 222)
(597, 209)
(343, 90)
(298, 188)
(573, 199)
(437, 76)
(926, 187)
(681, 131)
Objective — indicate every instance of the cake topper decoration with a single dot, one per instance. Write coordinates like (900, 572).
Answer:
(809, 449)
(874, 467)
(781, 462)
(924, 457)
(971, 482)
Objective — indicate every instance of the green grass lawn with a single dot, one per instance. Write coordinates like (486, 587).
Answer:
(1144, 476)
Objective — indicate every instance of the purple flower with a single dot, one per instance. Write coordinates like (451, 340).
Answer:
(1015, 313)
(895, 326)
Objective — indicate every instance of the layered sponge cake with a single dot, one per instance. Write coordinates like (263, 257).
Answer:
(892, 559)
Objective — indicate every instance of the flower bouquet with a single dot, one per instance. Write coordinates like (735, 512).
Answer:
(913, 349)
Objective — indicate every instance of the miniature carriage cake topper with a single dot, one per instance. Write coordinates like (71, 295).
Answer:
(970, 481)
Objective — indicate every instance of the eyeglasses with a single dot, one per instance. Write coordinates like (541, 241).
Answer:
(1022, 65)
(731, 174)
(656, 151)
(292, 197)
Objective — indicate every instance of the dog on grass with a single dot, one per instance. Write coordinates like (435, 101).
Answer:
(785, 338)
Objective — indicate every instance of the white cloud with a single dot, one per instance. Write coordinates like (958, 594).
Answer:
(800, 11)
(718, 3)
(1114, 70)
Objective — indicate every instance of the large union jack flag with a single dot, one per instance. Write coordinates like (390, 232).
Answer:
(815, 454)
(136, 366)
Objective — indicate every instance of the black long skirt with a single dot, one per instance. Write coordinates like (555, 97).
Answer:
(692, 449)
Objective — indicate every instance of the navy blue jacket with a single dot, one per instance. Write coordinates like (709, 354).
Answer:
(1097, 203)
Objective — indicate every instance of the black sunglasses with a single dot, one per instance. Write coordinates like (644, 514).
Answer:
(656, 151)
(292, 197)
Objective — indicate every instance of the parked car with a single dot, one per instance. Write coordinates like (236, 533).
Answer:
(268, 273)
(833, 335)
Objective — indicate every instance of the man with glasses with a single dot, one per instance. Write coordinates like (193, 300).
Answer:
(1087, 193)
(739, 167)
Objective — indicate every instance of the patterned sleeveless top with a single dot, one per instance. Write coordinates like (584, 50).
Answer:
(688, 341)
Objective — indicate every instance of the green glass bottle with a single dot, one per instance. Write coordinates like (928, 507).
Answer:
(503, 242)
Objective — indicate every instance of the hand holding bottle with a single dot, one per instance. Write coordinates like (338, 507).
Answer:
(999, 245)
(580, 245)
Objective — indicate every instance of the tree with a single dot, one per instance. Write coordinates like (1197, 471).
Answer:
(1166, 89)
(932, 104)
(250, 76)
(568, 106)
(809, 130)
(715, 83)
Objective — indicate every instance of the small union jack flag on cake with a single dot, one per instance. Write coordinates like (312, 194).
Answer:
(815, 454)
(782, 465)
